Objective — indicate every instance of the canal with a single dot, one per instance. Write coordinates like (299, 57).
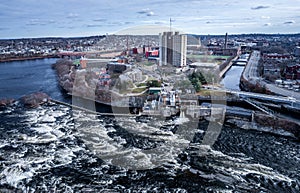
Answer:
(231, 78)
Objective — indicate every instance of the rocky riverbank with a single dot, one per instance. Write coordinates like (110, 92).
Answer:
(268, 124)
(84, 83)
(32, 100)
(253, 86)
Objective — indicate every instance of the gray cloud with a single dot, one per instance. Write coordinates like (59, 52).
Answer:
(98, 20)
(34, 22)
(150, 13)
(146, 12)
(260, 7)
(93, 25)
(289, 22)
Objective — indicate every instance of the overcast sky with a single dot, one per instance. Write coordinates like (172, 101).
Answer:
(40, 18)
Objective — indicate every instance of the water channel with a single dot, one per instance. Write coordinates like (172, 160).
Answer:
(231, 79)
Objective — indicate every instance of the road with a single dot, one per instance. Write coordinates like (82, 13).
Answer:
(251, 74)
(284, 92)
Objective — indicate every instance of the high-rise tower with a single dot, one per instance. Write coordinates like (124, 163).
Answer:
(173, 49)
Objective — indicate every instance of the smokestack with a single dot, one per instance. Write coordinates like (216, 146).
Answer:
(226, 40)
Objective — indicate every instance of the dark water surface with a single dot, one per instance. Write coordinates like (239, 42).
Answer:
(18, 78)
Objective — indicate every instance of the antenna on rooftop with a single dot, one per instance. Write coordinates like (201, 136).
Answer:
(170, 24)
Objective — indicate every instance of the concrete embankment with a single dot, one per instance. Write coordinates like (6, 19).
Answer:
(93, 111)
(226, 66)
(269, 124)
(278, 124)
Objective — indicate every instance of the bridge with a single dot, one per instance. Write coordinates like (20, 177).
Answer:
(239, 62)
(87, 53)
(71, 53)
(265, 97)
(260, 107)
(258, 96)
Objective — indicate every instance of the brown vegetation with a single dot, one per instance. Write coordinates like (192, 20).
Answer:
(6, 102)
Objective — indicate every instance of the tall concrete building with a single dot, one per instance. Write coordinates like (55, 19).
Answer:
(172, 49)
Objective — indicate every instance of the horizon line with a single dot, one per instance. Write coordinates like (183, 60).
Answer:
(89, 36)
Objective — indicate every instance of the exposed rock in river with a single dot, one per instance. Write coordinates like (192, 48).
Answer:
(6, 102)
(35, 99)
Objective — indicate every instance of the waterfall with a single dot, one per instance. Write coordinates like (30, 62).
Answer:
(182, 115)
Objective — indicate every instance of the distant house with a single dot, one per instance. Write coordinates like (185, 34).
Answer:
(289, 76)
(292, 68)
(104, 79)
(278, 56)
(217, 50)
(271, 69)
(292, 71)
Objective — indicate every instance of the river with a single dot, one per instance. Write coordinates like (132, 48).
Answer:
(19, 78)
(57, 149)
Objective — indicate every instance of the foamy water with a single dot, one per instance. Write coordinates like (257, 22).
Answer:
(54, 148)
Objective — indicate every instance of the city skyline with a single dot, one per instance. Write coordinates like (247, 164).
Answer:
(29, 19)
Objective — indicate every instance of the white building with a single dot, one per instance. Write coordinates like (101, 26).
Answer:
(173, 49)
